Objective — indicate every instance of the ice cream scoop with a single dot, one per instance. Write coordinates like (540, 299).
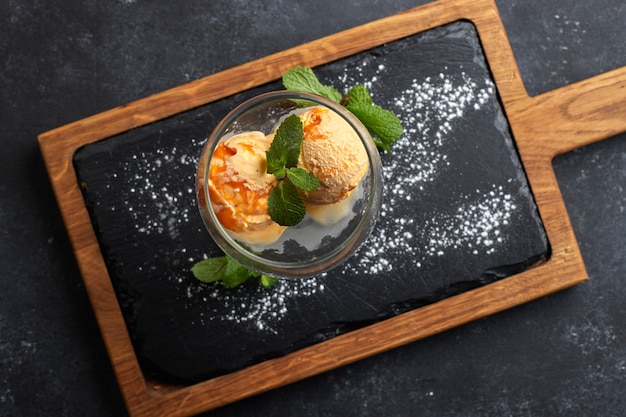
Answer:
(239, 188)
(334, 153)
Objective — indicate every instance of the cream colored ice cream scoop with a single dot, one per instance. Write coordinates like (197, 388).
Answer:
(239, 188)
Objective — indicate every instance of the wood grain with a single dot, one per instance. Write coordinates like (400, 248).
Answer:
(543, 127)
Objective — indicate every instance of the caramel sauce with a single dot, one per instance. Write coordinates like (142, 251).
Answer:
(235, 202)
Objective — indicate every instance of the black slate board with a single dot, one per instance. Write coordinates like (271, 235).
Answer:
(457, 214)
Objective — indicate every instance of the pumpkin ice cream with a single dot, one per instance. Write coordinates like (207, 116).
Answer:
(333, 152)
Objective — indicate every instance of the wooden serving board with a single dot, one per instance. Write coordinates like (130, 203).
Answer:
(457, 213)
(542, 127)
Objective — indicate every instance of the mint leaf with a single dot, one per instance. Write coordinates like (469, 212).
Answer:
(303, 179)
(280, 173)
(224, 269)
(227, 270)
(276, 159)
(285, 148)
(359, 94)
(210, 270)
(382, 123)
(236, 274)
(304, 79)
(285, 204)
(266, 281)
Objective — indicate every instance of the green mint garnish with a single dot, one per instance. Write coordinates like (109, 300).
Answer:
(222, 268)
(358, 94)
(266, 281)
(285, 148)
(384, 125)
(303, 179)
(303, 79)
(285, 204)
(229, 272)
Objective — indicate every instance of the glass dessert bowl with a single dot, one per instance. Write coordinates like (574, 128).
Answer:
(233, 185)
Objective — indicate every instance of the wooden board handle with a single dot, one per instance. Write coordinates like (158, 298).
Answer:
(573, 116)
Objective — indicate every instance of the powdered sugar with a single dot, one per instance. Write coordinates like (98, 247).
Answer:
(476, 225)
(254, 306)
(166, 207)
(430, 109)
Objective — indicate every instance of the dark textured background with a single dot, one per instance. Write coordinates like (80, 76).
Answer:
(64, 60)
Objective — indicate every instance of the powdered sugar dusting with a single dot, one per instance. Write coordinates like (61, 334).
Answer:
(430, 110)
(161, 190)
(258, 307)
(476, 225)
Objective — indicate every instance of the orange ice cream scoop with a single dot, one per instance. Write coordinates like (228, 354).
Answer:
(333, 152)
(239, 188)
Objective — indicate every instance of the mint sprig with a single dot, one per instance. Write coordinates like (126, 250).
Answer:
(359, 94)
(285, 204)
(303, 79)
(302, 179)
(383, 124)
(229, 272)
(285, 148)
